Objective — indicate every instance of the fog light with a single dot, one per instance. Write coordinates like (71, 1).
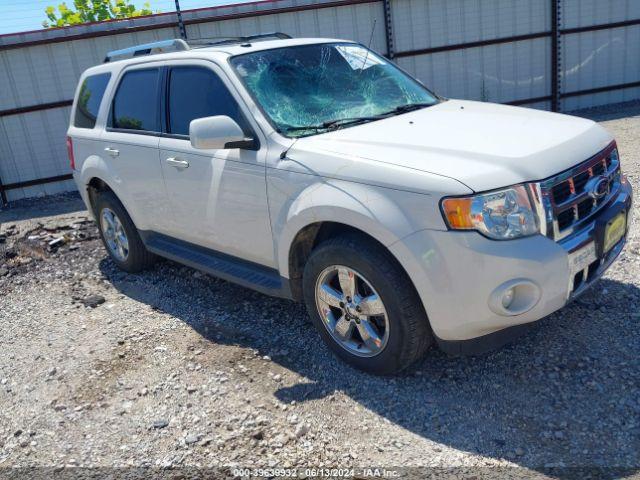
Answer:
(507, 298)
(514, 297)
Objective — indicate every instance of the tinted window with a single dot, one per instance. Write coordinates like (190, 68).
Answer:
(89, 98)
(195, 93)
(135, 106)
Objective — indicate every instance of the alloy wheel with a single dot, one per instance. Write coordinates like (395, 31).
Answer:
(352, 311)
(114, 235)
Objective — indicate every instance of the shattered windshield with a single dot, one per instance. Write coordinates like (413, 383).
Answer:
(310, 89)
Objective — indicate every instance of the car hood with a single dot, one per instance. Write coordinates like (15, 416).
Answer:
(482, 145)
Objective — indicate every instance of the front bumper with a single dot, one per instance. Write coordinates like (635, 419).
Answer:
(587, 263)
(457, 275)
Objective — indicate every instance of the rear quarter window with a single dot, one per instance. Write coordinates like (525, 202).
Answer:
(89, 98)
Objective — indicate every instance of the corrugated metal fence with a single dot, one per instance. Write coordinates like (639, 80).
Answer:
(550, 54)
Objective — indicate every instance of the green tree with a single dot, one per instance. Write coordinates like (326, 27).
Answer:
(92, 11)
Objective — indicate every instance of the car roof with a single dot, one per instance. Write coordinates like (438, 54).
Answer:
(203, 51)
(240, 48)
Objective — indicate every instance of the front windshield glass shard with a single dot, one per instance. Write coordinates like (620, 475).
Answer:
(310, 89)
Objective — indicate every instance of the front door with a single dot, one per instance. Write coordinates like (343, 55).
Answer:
(218, 198)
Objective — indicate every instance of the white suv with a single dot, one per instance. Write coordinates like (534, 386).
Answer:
(317, 170)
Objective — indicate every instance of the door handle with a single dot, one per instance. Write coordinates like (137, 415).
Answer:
(112, 151)
(175, 162)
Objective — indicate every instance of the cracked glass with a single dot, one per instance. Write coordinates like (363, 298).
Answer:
(309, 89)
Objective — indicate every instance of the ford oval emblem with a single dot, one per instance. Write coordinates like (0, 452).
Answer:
(598, 187)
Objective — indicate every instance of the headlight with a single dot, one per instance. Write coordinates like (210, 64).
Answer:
(501, 215)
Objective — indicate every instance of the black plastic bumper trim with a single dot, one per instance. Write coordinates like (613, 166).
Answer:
(485, 343)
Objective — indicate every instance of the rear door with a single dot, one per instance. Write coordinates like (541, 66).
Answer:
(130, 145)
(218, 197)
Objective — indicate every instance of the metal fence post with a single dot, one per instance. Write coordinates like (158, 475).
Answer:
(556, 82)
(388, 28)
(3, 195)
(183, 30)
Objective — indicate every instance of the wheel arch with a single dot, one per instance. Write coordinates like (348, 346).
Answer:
(329, 208)
(313, 234)
(95, 185)
(96, 175)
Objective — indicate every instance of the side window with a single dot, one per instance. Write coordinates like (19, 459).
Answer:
(89, 98)
(196, 92)
(135, 106)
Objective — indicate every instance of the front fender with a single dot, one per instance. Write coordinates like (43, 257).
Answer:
(382, 213)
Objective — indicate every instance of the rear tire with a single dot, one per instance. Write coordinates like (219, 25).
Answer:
(119, 235)
(397, 333)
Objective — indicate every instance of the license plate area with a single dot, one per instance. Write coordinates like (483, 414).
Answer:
(609, 229)
(614, 231)
(590, 260)
(581, 259)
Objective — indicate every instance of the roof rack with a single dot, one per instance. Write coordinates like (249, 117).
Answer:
(223, 40)
(146, 48)
(181, 45)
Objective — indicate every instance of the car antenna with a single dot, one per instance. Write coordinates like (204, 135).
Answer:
(283, 155)
(373, 29)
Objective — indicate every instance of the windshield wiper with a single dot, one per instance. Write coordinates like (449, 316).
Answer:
(349, 121)
(341, 122)
(410, 107)
(333, 124)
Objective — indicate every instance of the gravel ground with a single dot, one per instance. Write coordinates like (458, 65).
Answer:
(173, 368)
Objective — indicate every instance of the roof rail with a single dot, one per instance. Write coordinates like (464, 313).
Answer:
(280, 35)
(203, 41)
(180, 45)
(145, 49)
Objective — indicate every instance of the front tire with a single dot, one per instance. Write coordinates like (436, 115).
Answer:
(119, 235)
(364, 305)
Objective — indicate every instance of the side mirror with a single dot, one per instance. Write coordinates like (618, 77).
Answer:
(212, 133)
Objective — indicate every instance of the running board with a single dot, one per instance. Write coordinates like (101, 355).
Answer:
(248, 274)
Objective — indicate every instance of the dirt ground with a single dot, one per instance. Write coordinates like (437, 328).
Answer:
(171, 368)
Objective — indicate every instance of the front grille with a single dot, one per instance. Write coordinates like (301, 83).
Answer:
(561, 192)
(571, 195)
(565, 219)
